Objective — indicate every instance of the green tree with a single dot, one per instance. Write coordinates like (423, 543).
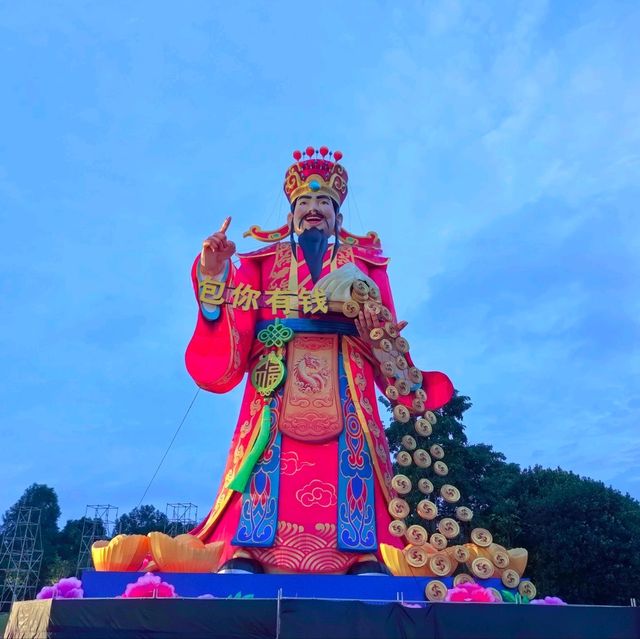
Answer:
(142, 520)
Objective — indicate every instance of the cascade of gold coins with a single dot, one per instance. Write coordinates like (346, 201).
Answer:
(440, 546)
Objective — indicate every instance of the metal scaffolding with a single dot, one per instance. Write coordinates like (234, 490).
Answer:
(99, 522)
(20, 557)
(181, 518)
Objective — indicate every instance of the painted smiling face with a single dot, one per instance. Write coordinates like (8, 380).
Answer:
(314, 211)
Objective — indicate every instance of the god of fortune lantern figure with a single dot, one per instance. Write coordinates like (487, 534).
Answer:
(308, 484)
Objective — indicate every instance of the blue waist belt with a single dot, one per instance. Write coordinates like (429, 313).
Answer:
(312, 326)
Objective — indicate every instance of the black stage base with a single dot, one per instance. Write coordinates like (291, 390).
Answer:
(312, 619)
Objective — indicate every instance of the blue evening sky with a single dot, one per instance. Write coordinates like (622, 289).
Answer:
(493, 146)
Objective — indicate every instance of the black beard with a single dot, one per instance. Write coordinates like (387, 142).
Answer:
(313, 243)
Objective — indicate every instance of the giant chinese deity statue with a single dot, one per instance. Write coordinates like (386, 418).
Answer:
(308, 484)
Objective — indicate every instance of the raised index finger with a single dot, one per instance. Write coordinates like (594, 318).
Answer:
(225, 224)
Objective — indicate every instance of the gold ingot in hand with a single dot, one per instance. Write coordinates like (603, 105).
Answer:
(440, 564)
(438, 541)
(351, 309)
(435, 590)
(416, 556)
(404, 458)
(421, 458)
(392, 393)
(391, 329)
(427, 509)
(398, 508)
(401, 344)
(403, 387)
(408, 442)
(464, 514)
(430, 416)
(527, 589)
(401, 414)
(425, 486)
(510, 578)
(397, 528)
(450, 528)
(440, 468)
(481, 537)
(423, 427)
(385, 345)
(401, 484)
(437, 452)
(450, 493)
(482, 568)
(417, 535)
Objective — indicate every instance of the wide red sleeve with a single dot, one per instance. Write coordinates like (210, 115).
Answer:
(218, 353)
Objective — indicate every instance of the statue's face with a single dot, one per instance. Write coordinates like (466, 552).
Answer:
(314, 211)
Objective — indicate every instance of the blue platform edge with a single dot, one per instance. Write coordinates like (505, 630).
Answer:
(342, 587)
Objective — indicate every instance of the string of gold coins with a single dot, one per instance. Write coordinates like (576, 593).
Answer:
(440, 546)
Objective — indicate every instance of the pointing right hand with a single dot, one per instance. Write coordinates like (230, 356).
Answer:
(216, 250)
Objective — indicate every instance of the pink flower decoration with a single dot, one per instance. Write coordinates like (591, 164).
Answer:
(149, 585)
(68, 588)
(470, 593)
(548, 601)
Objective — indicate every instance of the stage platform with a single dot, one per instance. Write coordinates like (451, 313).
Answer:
(312, 619)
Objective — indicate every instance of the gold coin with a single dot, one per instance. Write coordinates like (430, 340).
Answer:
(431, 417)
(401, 414)
(500, 559)
(398, 508)
(450, 493)
(427, 509)
(404, 458)
(450, 528)
(425, 486)
(420, 394)
(421, 458)
(435, 590)
(527, 589)
(438, 541)
(439, 563)
(460, 554)
(463, 578)
(388, 368)
(397, 528)
(417, 405)
(373, 307)
(437, 452)
(374, 293)
(386, 345)
(403, 387)
(497, 596)
(385, 313)
(510, 578)
(351, 309)
(440, 468)
(416, 556)
(361, 299)
(415, 375)
(401, 484)
(360, 287)
(402, 345)
(408, 442)
(464, 514)
(391, 392)
(417, 535)
(376, 333)
(391, 329)
(423, 427)
(481, 537)
(401, 363)
(482, 568)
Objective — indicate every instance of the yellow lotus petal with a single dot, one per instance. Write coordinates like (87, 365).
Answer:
(518, 558)
(124, 553)
(184, 553)
(394, 559)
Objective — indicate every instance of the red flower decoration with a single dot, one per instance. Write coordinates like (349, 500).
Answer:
(470, 593)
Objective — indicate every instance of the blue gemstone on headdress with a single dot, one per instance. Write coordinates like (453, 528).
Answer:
(314, 185)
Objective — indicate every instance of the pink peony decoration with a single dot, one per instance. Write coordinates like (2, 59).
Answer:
(149, 585)
(470, 593)
(548, 601)
(68, 588)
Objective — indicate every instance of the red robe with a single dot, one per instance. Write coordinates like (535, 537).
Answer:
(305, 479)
